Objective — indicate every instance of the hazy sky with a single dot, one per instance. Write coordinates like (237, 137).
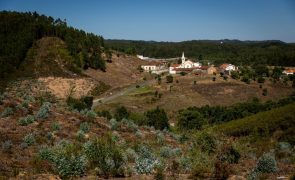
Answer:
(171, 20)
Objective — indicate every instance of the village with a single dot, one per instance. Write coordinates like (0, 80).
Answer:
(188, 66)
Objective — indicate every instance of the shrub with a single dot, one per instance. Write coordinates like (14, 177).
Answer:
(225, 78)
(7, 112)
(107, 156)
(267, 163)
(84, 127)
(146, 160)
(80, 104)
(80, 135)
(246, 79)
(46, 154)
(6, 146)
(261, 80)
(207, 142)
(185, 164)
(131, 154)
(114, 124)
(157, 118)
(169, 79)
(130, 125)
(229, 155)
(138, 134)
(55, 126)
(214, 79)
(160, 137)
(29, 139)
(167, 152)
(190, 119)
(138, 118)
(43, 112)
(105, 113)
(235, 75)
(66, 160)
(88, 113)
(182, 73)
(26, 120)
(121, 112)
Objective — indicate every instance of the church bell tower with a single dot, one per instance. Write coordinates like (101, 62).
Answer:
(182, 58)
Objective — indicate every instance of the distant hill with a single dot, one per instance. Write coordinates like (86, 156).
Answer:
(271, 52)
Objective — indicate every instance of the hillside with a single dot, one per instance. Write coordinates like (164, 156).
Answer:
(230, 51)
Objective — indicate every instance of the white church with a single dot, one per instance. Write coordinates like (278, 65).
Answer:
(185, 65)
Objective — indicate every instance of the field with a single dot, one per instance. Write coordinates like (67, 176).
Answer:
(183, 93)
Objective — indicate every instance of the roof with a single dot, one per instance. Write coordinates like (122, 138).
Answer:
(289, 71)
(152, 63)
(223, 66)
(174, 65)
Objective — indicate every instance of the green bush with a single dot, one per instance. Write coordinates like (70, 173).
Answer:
(169, 79)
(121, 112)
(80, 104)
(29, 139)
(146, 161)
(85, 127)
(7, 112)
(105, 113)
(157, 118)
(229, 154)
(55, 126)
(24, 121)
(44, 110)
(267, 163)
(114, 124)
(235, 75)
(207, 142)
(261, 80)
(105, 155)
(190, 119)
(89, 113)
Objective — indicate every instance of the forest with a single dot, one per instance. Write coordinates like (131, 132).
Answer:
(271, 52)
(19, 31)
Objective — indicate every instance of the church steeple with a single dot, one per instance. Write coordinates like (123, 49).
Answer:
(182, 58)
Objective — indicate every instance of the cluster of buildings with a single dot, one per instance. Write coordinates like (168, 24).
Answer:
(187, 66)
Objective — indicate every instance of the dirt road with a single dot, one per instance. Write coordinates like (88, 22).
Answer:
(126, 90)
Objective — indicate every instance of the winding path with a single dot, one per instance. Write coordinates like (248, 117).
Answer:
(115, 95)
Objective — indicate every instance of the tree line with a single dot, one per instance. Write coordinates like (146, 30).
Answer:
(19, 31)
(275, 53)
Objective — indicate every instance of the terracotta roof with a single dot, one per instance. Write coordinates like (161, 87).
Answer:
(152, 63)
(290, 71)
(223, 66)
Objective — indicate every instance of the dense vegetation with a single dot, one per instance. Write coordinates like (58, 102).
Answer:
(19, 31)
(231, 51)
(195, 118)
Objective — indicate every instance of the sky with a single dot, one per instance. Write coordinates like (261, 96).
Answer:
(171, 20)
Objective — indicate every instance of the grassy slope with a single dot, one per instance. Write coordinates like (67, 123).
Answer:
(263, 123)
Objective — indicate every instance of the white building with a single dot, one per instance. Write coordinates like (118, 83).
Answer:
(289, 71)
(228, 67)
(142, 57)
(186, 65)
(155, 67)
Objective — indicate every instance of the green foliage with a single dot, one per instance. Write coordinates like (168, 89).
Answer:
(105, 113)
(160, 137)
(55, 126)
(7, 112)
(104, 154)
(229, 155)
(131, 126)
(24, 121)
(29, 139)
(88, 113)
(80, 104)
(169, 79)
(185, 163)
(190, 119)
(261, 80)
(235, 75)
(157, 118)
(23, 29)
(218, 114)
(207, 142)
(44, 110)
(182, 73)
(114, 124)
(65, 158)
(262, 123)
(85, 127)
(137, 118)
(121, 112)
(146, 161)
(267, 163)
